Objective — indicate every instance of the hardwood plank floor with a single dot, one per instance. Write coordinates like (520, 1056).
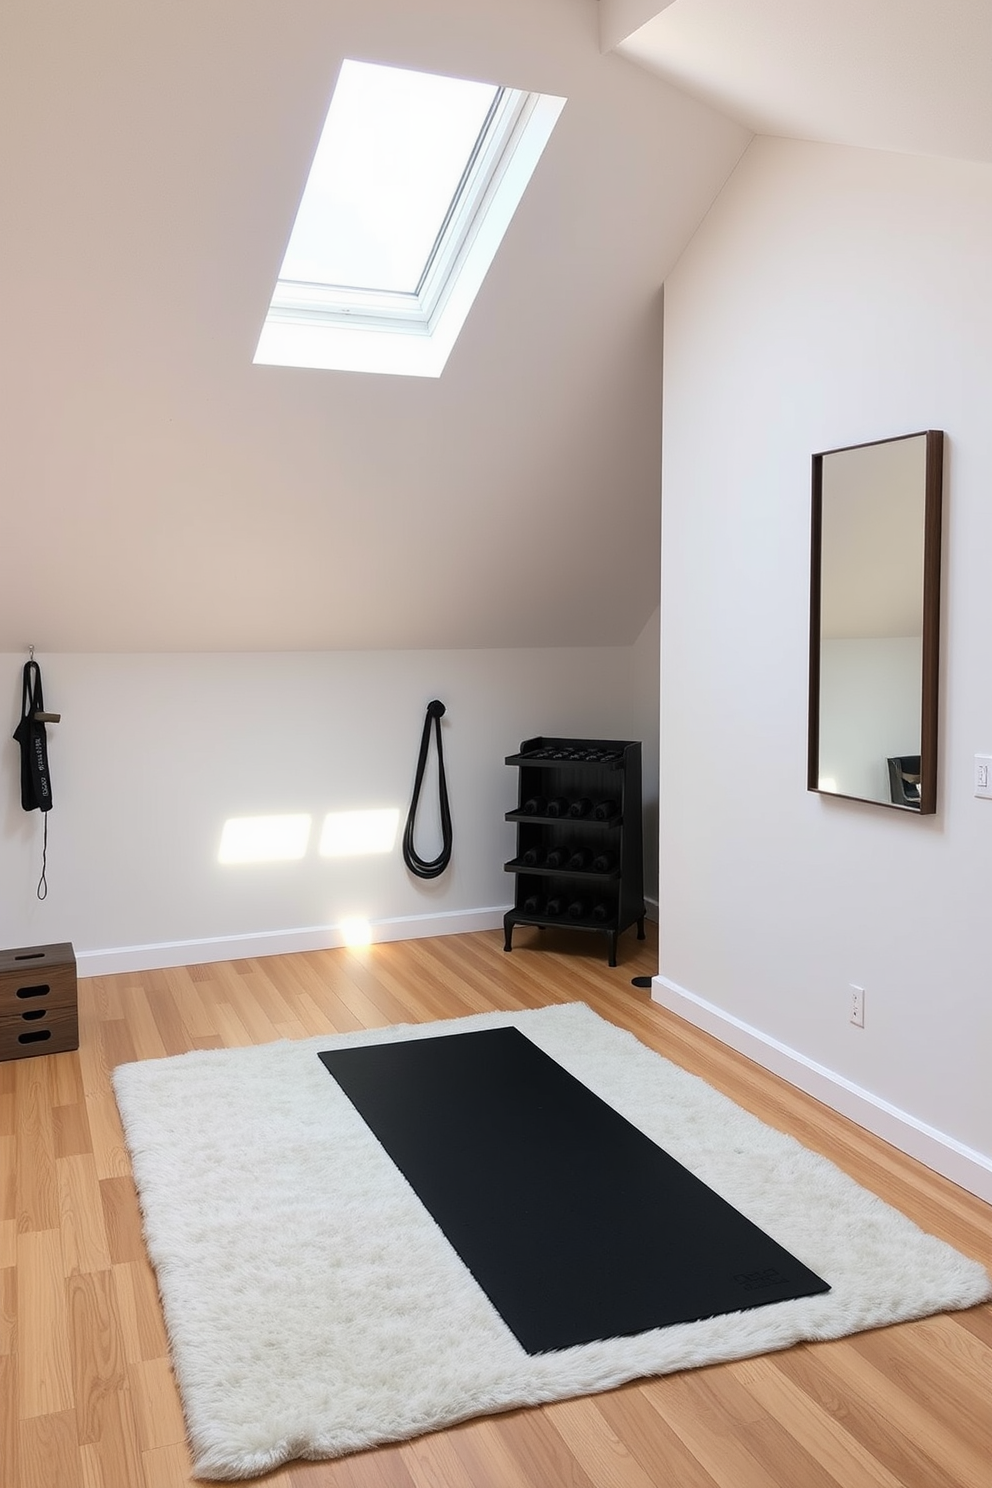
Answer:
(86, 1392)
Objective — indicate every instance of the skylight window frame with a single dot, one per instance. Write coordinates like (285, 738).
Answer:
(500, 120)
(416, 313)
(347, 328)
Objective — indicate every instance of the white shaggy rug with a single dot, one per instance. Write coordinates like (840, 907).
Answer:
(314, 1307)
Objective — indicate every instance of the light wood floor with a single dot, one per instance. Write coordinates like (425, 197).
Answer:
(86, 1394)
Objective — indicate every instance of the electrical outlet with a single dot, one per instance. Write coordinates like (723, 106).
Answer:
(983, 775)
(857, 1006)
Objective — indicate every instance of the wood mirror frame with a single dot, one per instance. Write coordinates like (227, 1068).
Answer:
(931, 496)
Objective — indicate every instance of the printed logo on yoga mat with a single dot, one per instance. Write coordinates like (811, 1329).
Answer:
(754, 1281)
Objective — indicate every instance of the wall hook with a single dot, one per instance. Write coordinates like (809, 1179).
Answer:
(39, 716)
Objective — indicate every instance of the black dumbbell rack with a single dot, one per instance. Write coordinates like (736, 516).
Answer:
(579, 860)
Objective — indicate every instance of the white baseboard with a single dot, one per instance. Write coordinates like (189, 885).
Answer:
(963, 1165)
(280, 942)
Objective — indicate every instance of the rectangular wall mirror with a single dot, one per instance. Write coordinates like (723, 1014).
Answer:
(874, 621)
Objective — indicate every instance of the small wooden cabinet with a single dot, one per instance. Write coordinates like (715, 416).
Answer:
(38, 1005)
(579, 860)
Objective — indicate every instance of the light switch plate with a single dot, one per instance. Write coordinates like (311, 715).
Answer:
(983, 776)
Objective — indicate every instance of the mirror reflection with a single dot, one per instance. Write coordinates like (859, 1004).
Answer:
(873, 652)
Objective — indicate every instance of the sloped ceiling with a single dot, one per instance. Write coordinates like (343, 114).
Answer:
(159, 492)
(905, 75)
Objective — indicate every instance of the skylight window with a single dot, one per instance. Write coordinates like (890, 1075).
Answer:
(387, 169)
(413, 184)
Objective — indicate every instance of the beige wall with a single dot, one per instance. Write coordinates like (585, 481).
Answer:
(179, 498)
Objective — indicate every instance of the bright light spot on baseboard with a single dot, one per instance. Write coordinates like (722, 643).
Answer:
(827, 783)
(347, 834)
(356, 932)
(264, 839)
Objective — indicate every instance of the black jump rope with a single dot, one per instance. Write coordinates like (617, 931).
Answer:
(416, 864)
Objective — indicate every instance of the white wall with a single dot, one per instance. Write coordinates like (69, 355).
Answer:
(832, 296)
(645, 664)
(154, 753)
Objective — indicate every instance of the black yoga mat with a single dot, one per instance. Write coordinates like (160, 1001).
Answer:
(574, 1223)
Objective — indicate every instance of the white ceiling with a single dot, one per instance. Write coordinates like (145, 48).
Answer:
(907, 75)
(159, 492)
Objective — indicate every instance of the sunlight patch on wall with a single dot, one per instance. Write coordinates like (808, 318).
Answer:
(347, 834)
(264, 839)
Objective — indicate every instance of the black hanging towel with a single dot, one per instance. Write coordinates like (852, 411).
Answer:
(434, 867)
(36, 782)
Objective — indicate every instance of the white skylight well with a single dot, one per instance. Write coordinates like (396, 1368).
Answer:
(413, 184)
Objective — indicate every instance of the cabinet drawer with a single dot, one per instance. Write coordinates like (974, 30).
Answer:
(37, 977)
(44, 1030)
